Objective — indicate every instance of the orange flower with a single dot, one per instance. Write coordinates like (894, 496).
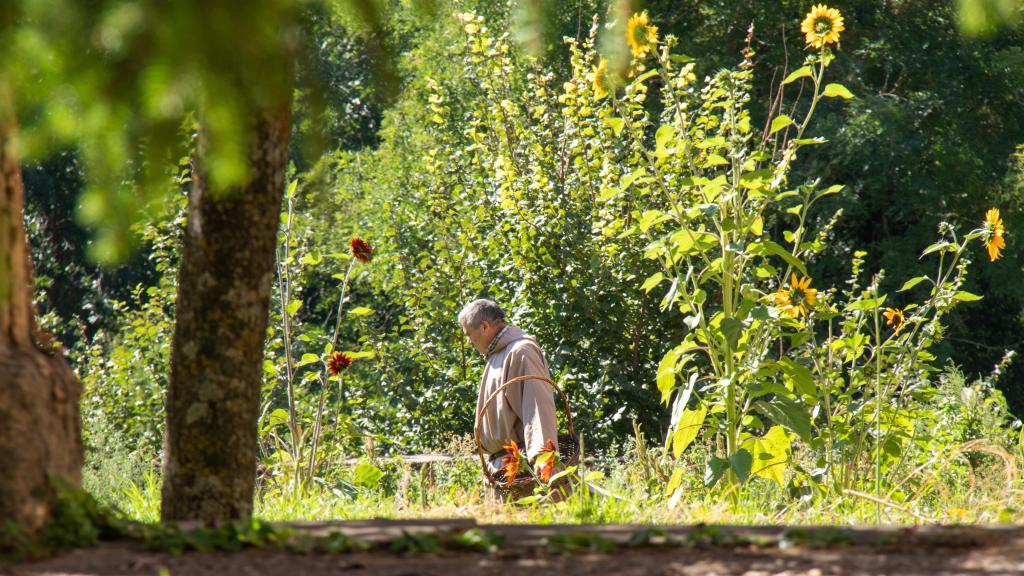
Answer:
(894, 317)
(994, 231)
(338, 363)
(547, 468)
(361, 250)
(511, 460)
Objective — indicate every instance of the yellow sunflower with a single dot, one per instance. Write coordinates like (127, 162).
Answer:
(894, 317)
(642, 37)
(822, 26)
(797, 299)
(599, 77)
(994, 240)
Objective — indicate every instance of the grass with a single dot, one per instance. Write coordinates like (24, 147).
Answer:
(457, 491)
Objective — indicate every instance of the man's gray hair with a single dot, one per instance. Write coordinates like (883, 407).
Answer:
(480, 311)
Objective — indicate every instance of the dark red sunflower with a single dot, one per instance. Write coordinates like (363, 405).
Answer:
(361, 250)
(338, 363)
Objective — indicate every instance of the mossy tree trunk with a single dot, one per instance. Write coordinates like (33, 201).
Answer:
(40, 425)
(224, 288)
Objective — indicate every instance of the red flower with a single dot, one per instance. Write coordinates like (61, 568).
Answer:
(511, 460)
(361, 250)
(338, 363)
(547, 468)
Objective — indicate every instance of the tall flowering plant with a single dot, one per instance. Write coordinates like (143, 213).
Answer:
(776, 373)
(770, 362)
(302, 450)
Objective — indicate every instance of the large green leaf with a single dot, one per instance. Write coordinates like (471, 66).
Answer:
(674, 481)
(788, 412)
(664, 135)
(367, 475)
(802, 72)
(732, 329)
(632, 177)
(312, 258)
(667, 368)
(867, 303)
(682, 399)
(713, 470)
(800, 376)
(780, 122)
(964, 296)
(615, 124)
(278, 416)
(652, 282)
(666, 377)
(769, 248)
(770, 454)
(651, 218)
(740, 463)
(912, 282)
(837, 91)
(687, 430)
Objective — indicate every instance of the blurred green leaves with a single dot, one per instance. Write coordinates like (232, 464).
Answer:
(983, 18)
(133, 82)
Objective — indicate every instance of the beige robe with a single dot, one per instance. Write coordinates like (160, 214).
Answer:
(524, 412)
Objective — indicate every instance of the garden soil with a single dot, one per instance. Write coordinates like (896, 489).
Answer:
(748, 551)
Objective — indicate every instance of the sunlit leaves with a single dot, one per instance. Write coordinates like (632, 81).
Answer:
(687, 429)
(802, 72)
(911, 283)
(779, 122)
(965, 296)
(769, 454)
(837, 91)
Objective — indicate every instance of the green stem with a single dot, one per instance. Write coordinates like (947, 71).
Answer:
(334, 341)
(878, 419)
(284, 287)
(341, 302)
(814, 99)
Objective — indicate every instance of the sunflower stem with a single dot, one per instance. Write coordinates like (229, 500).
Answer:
(878, 418)
(284, 288)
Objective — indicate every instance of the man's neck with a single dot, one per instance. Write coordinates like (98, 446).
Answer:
(494, 341)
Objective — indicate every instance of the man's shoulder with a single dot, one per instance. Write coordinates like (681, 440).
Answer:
(525, 350)
(526, 343)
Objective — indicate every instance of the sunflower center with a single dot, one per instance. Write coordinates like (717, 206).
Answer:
(822, 26)
(797, 298)
(640, 35)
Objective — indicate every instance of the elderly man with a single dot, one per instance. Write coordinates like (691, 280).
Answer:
(524, 412)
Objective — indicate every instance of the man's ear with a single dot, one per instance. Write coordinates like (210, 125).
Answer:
(484, 326)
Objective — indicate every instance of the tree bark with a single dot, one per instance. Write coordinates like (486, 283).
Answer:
(224, 288)
(40, 425)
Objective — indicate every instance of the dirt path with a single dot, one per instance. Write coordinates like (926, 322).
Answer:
(570, 550)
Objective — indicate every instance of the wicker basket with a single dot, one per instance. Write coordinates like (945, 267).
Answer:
(523, 484)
